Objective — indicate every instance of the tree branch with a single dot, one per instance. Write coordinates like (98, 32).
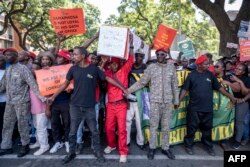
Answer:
(244, 13)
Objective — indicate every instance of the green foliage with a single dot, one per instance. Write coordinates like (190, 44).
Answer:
(146, 15)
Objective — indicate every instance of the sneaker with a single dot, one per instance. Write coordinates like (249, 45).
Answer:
(6, 151)
(79, 148)
(35, 145)
(56, 147)
(236, 145)
(67, 146)
(168, 153)
(123, 159)
(42, 150)
(68, 158)
(108, 149)
(244, 142)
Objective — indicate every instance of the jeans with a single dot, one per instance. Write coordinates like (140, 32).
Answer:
(80, 131)
(246, 126)
(78, 114)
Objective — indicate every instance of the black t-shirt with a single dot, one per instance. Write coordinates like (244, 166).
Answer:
(85, 82)
(200, 87)
(136, 73)
(246, 81)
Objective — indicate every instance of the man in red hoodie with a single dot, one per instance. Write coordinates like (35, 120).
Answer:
(117, 105)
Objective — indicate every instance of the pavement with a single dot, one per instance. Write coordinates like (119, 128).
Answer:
(136, 157)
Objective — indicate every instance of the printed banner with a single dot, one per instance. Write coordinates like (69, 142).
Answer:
(113, 41)
(187, 48)
(164, 37)
(68, 21)
(244, 50)
(50, 80)
(223, 116)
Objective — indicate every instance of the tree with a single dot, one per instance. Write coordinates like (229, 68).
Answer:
(30, 20)
(146, 15)
(228, 29)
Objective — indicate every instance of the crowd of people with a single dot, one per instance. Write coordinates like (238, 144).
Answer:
(101, 100)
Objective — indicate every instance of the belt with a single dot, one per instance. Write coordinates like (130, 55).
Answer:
(119, 101)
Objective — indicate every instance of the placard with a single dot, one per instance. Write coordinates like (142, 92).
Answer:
(68, 21)
(49, 80)
(245, 50)
(187, 48)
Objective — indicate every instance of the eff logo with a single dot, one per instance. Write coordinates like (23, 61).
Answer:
(236, 158)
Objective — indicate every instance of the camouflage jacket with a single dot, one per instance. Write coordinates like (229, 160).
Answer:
(163, 83)
(17, 81)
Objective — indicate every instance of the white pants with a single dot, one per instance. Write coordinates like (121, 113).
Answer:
(131, 113)
(40, 122)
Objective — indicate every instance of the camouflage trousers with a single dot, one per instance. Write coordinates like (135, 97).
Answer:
(160, 113)
(13, 113)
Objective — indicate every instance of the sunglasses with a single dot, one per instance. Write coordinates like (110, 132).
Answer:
(162, 54)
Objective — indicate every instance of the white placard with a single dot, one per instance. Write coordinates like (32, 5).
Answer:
(137, 42)
(112, 41)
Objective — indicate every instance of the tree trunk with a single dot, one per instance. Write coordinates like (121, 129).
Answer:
(228, 35)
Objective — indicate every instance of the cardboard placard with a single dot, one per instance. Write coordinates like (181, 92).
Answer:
(68, 21)
(51, 79)
(245, 50)
(164, 37)
(113, 41)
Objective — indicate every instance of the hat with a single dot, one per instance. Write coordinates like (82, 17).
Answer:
(46, 53)
(139, 51)
(32, 55)
(201, 59)
(10, 50)
(115, 60)
(64, 53)
(162, 49)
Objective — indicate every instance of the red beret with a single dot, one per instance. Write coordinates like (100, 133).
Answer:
(201, 59)
(115, 60)
(32, 55)
(162, 49)
(64, 53)
(10, 50)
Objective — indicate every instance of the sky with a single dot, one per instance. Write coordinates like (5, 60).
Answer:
(108, 7)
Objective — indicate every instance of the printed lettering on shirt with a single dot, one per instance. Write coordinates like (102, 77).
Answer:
(90, 76)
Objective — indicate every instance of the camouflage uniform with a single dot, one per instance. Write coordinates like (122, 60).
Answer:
(163, 90)
(17, 81)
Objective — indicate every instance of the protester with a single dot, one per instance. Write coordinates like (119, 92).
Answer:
(17, 81)
(82, 103)
(2, 95)
(164, 93)
(40, 120)
(60, 119)
(200, 84)
(133, 112)
(117, 105)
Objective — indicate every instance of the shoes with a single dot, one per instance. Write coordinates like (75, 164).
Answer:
(151, 154)
(211, 151)
(244, 142)
(6, 151)
(189, 150)
(56, 147)
(168, 153)
(68, 158)
(123, 159)
(108, 149)
(79, 148)
(236, 145)
(42, 150)
(35, 145)
(33, 140)
(67, 146)
(99, 156)
(23, 151)
(142, 147)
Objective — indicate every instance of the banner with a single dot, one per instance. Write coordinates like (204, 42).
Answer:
(187, 48)
(243, 30)
(244, 50)
(51, 79)
(68, 21)
(164, 37)
(113, 41)
(223, 116)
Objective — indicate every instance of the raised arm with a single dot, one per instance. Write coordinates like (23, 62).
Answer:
(87, 43)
